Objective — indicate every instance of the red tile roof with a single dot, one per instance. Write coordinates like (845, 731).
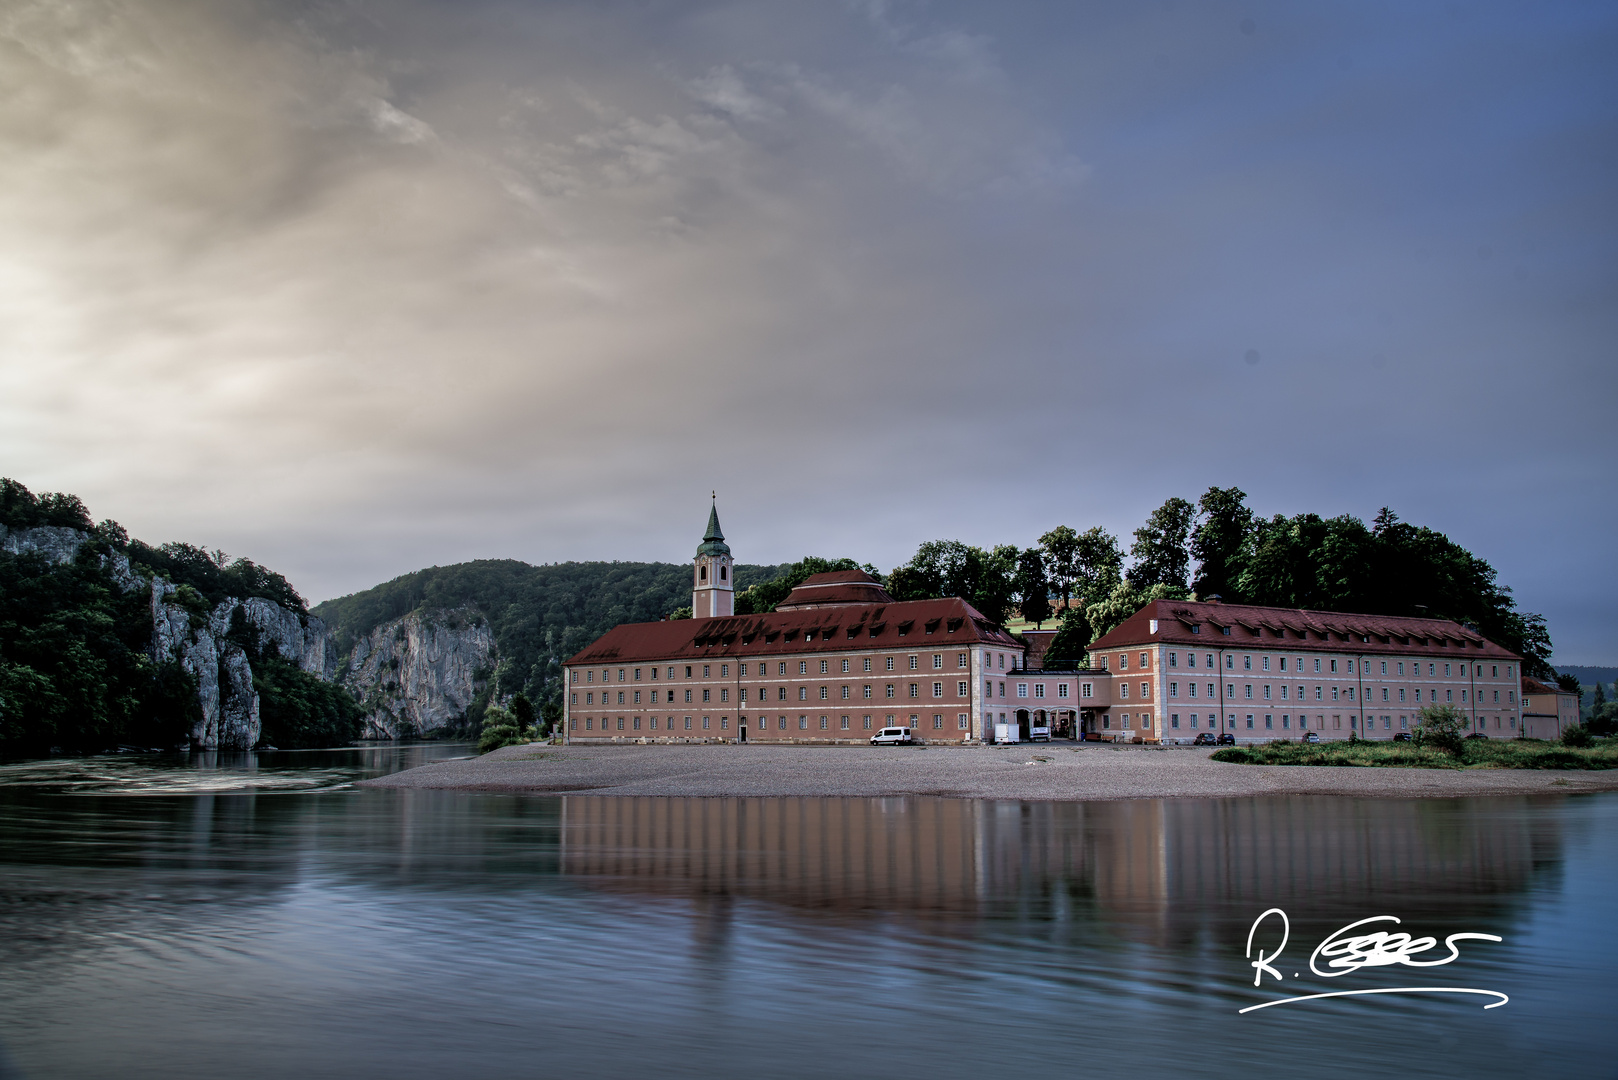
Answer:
(837, 587)
(914, 624)
(1293, 628)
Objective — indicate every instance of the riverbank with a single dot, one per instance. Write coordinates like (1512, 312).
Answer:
(1040, 771)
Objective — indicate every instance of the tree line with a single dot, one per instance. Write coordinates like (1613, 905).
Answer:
(1217, 546)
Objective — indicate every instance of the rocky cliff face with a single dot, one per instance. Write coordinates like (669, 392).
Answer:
(230, 707)
(417, 675)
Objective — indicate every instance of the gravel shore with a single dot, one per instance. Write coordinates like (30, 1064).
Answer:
(1056, 771)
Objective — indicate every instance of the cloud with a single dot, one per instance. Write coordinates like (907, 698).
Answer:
(353, 288)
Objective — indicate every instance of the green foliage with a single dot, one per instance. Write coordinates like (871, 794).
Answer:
(1126, 598)
(522, 711)
(74, 668)
(194, 603)
(1477, 754)
(1577, 736)
(1033, 589)
(22, 509)
(214, 575)
(1061, 548)
(1073, 636)
(1340, 564)
(1569, 684)
(1219, 541)
(762, 597)
(1440, 727)
(299, 711)
(1160, 552)
(540, 615)
(685, 612)
(499, 729)
(950, 568)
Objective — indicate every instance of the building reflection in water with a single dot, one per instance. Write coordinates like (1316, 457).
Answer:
(1156, 870)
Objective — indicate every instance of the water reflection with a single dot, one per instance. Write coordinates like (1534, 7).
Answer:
(1155, 870)
(354, 932)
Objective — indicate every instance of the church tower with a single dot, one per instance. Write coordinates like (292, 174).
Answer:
(713, 594)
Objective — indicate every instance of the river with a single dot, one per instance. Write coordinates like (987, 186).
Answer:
(259, 916)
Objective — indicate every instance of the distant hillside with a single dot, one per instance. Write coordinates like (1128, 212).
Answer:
(1589, 676)
(540, 615)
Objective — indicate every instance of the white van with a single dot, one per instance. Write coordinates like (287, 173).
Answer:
(893, 736)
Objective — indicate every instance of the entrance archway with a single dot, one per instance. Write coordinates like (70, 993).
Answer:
(1022, 724)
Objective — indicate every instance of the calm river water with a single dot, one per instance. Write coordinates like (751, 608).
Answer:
(257, 916)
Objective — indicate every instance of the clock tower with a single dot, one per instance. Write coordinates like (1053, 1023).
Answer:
(713, 594)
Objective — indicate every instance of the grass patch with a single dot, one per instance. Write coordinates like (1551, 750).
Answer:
(1474, 754)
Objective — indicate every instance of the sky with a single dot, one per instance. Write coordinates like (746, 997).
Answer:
(355, 288)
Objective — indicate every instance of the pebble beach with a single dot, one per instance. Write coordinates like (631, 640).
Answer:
(1041, 771)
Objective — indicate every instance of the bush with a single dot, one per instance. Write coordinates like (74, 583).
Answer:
(1578, 736)
(300, 712)
(1440, 727)
(499, 729)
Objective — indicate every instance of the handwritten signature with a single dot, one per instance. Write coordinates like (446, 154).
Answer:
(1346, 952)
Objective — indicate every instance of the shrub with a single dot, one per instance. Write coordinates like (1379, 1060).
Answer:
(1578, 736)
(499, 729)
(1440, 726)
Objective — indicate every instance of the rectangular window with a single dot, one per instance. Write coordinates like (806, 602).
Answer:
(1022, 689)
(865, 722)
(1174, 660)
(938, 661)
(915, 690)
(1247, 663)
(637, 697)
(888, 692)
(915, 663)
(845, 667)
(1123, 691)
(961, 688)
(724, 671)
(844, 693)
(705, 723)
(1266, 692)
(724, 693)
(1086, 690)
(1123, 661)
(1174, 689)
(890, 663)
(823, 667)
(845, 723)
(822, 723)
(1317, 665)
(960, 660)
(1039, 689)
(1143, 661)
(1174, 718)
(620, 697)
(1061, 690)
(867, 663)
(963, 721)
(803, 693)
(1249, 693)
(865, 691)
(938, 721)
(705, 670)
(823, 693)
(637, 674)
(1266, 663)
(707, 694)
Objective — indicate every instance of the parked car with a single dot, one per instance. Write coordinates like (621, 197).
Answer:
(1204, 738)
(1310, 736)
(893, 736)
(1227, 739)
(1401, 736)
(1477, 734)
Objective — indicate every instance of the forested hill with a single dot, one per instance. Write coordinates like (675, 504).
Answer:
(540, 615)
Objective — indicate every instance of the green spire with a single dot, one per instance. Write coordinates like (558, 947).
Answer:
(713, 541)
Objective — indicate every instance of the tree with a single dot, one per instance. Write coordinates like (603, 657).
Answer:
(1221, 542)
(1033, 589)
(1107, 615)
(499, 729)
(1061, 547)
(1440, 726)
(761, 598)
(1098, 565)
(1160, 549)
(1569, 684)
(1072, 638)
(522, 711)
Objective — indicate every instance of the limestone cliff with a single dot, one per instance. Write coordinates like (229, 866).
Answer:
(198, 641)
(417, 675)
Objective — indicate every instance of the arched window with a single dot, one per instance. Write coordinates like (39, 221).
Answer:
(722, 573)
(702, 574)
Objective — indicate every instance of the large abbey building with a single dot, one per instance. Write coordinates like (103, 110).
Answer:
(840, 659)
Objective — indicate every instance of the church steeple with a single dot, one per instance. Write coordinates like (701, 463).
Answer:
(712, 592)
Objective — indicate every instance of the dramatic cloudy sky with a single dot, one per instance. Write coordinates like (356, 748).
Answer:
(357, 287)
